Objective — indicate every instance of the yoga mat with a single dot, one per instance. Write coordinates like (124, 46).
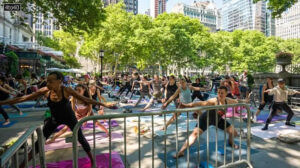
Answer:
(236, 115)
(15, 115)
(60, 143)
(89, 125)
(182, 161)
(262, 118)
(102, 161)
(273, 131)
(27, 104)
(297, 123)
(8, 125)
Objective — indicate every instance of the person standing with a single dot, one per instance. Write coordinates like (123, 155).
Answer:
(265, 97)
(281, 94)
(244, 85)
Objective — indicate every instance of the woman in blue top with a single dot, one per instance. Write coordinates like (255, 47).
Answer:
(184, 92)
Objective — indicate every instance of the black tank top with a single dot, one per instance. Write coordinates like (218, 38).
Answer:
(3, 95)
(61, 110)
(171, 89)
(221, 112)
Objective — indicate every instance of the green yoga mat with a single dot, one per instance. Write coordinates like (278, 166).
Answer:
(297, 122)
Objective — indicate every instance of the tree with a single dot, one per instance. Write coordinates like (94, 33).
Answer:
(279, 6)
(13, 60)
(71, 15)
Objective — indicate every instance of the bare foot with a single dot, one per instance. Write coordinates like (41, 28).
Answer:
(50, 141)
(179, 154)
(21, 113)
(143, 110)
(162, 128)
(233, 146)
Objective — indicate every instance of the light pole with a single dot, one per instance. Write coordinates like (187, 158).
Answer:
(101, 56)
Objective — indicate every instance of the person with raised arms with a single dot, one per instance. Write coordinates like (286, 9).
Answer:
(214, 115)
(60, 108)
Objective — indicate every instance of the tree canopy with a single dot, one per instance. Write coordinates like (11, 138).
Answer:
(279, 6)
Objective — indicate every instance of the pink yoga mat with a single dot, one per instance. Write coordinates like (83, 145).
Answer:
(60, 143)
(263, 117)
(102, 161)
(89, 125)
(229, 115)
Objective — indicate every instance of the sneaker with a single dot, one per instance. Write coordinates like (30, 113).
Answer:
(292, 124)
(6, 123)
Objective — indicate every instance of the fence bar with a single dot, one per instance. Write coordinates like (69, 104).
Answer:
(139, 136)
(94, 143)
(109, 123)
(125, 142)
(187, 136)
(240, 146)
(176, 122)
(217, 122)
(41, 144)
(225, 140)
(165, 139)
(232, 145)
(207, 138)
(198, 139)
(33, 150)
(16, 159)
(248, 134)
(152, 123)
(26, 154)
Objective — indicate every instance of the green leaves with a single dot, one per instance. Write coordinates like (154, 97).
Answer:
(279, 6)
(71, 15)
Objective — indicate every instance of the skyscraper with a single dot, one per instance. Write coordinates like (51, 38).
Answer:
(288, 26)
(157, 7)
(205, 11)
(131, 5)
(243, 15)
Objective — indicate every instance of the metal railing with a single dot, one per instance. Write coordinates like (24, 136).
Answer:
(11, 157)
(177, 111)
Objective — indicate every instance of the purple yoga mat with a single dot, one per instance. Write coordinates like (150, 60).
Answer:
(263, 117)
(60, 143)
(101, 162)
(89, 125)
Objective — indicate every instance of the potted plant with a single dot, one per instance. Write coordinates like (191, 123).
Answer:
(284, 58)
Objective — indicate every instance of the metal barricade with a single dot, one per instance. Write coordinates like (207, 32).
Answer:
(234, 107)
(11, 158)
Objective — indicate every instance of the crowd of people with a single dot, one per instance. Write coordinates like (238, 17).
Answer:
(72, 98)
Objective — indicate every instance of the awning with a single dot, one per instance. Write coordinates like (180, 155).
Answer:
(2, 56)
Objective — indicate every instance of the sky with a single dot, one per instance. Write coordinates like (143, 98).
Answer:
(145, 4)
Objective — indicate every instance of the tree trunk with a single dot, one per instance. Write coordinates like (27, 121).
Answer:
(116, 63)
(160, 69)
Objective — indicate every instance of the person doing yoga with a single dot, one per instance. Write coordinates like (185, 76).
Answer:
(280, 93)
(214, 115)
(184, 92)
(81, 110)
(60, 108)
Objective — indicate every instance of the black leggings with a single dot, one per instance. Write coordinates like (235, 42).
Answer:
(213, 119)
(2, 111)
(51, 125)
(281, 106)
(197, 95)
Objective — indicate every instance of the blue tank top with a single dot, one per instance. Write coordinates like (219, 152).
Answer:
(185, 95)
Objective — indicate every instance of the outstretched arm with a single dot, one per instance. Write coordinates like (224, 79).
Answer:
(32, 96)
(72, 92)
(196, 104)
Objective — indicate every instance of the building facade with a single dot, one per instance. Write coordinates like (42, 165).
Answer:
(131, 5)
(157, 7)
(288, 26)
(244, 15)
(206, 12)
(12, 31)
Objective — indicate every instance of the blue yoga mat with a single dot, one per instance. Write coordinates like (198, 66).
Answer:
(15, 115)
(9, 125)
(182, 162)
